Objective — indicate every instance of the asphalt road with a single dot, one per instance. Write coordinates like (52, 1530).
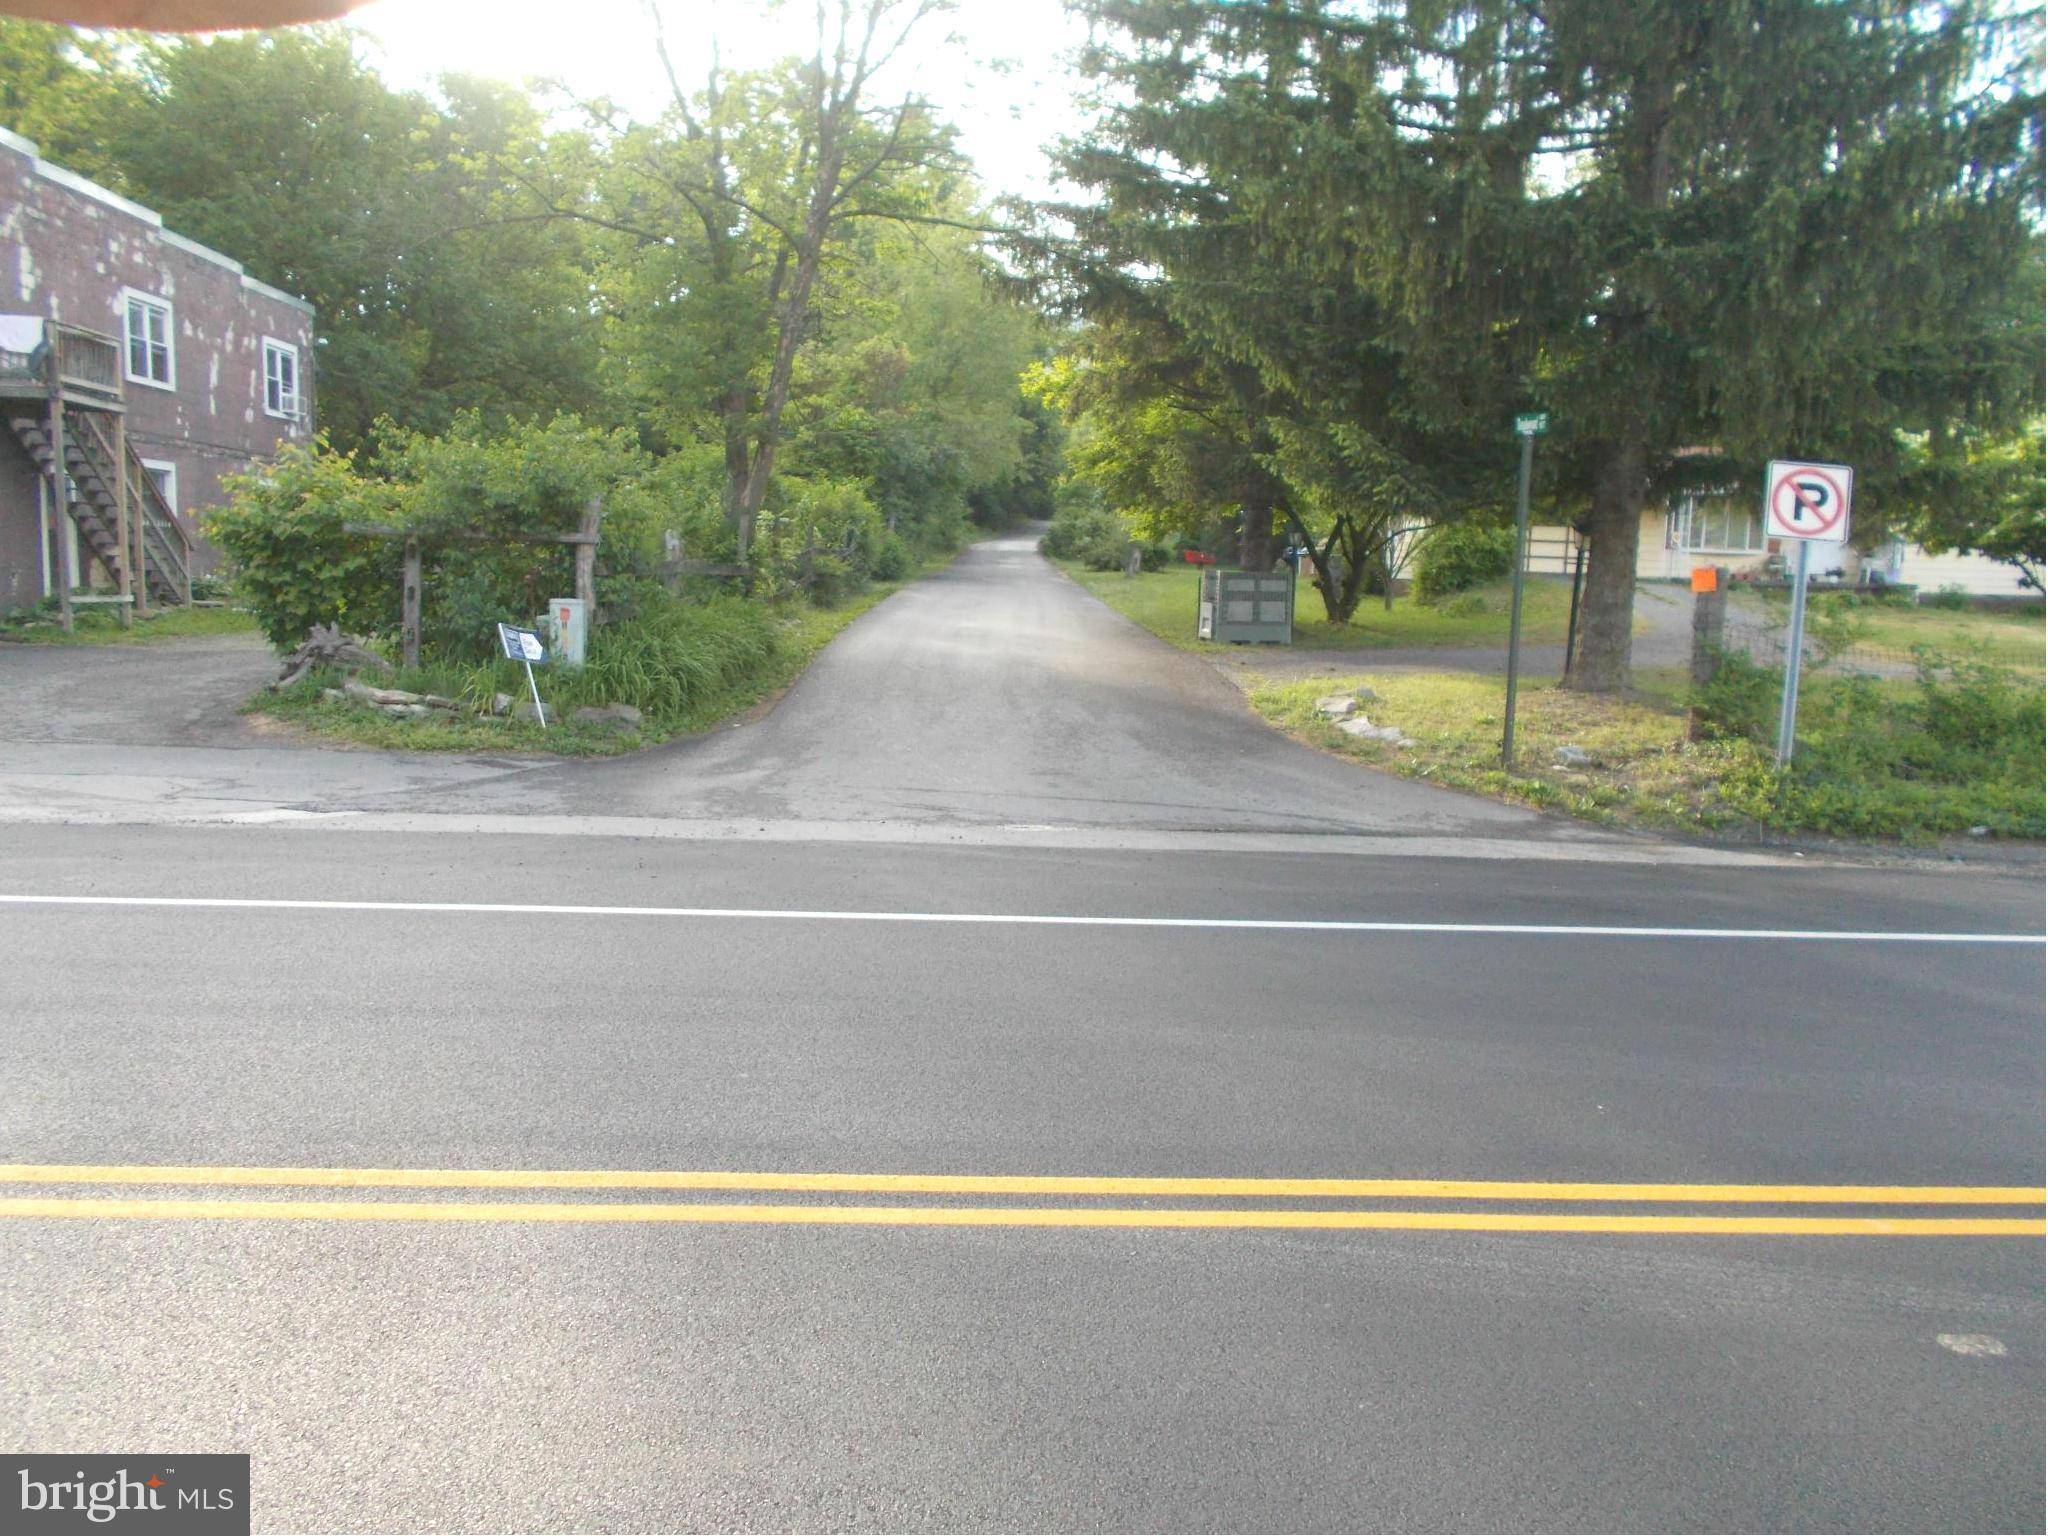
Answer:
(960, 959)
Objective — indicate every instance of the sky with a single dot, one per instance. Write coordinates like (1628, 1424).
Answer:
(995, 68)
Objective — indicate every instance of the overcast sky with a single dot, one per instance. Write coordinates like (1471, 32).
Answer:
(995, 68)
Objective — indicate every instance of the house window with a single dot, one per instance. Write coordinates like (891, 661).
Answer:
(164, 476)
(146, 340)
(1720, 525)
(280, 378)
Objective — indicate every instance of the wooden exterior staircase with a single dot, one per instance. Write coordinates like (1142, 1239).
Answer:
(166, 549)
(69, 391)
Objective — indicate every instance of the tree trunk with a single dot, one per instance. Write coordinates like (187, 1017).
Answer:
(1257, 544)
(1607, 607)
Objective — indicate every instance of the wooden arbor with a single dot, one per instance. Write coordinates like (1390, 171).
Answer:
(584, 540)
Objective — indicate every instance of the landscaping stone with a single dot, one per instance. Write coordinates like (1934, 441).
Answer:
(1569, 756)
(524, 710)
(405, 711)
(622, 717)
(501, 703)
(1336, 706)
(1364, 730)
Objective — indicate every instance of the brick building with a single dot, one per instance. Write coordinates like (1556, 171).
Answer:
(152, 365)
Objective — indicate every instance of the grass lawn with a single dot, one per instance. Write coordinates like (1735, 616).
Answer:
(2011, 637)
(1644, 773)
(1164, 602)
(803, 632)
(99, 625)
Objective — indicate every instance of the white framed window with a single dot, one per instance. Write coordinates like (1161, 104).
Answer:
(146, 340)
(164, 475)
(280, 379)
(1718, 525)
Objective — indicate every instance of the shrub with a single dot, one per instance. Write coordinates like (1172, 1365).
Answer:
(1095, 537)
(1960, 747)
(293, 560)
(814, 538)
(1740, 701)
(1462, 555)
(891, 559)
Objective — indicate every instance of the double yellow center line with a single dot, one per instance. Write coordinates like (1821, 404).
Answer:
(1957, 1205)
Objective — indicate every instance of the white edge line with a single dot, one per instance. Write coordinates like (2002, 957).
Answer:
(1028, 919)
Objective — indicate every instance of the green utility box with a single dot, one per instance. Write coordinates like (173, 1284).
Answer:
(1246, 607)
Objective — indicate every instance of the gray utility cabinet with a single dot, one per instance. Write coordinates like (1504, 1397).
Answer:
(1246, 607)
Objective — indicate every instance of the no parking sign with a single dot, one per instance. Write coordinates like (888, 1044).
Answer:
(1807, 501)
(1808, 504)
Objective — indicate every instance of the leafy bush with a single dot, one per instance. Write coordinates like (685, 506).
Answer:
(1462, 555)
(1095, 537)
(891, 558)
(1740, 701)
(294, 562)
(815, 539)
(1961, 747)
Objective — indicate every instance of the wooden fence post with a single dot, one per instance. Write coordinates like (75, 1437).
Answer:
(409, 618)
(586, 559)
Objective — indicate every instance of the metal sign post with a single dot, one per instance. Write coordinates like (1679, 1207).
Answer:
(1527, 427)
(523, 645)
(1807, 504)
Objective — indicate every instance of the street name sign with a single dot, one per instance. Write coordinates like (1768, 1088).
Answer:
(1807, 501)
(1532, 424)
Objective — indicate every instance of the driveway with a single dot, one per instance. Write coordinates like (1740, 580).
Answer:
(994, 699)
(998, 692)
(174, 692)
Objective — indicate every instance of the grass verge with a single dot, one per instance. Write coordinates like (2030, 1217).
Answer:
(98, 625)
(1164, 602)
(1644, 773)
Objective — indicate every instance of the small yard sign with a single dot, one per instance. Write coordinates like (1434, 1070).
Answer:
(523, 646)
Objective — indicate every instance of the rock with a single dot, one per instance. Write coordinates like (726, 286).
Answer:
(1980, 831)
(1336, 706)
(1363, 729)
(1569, 756)
(435, 701)
(1365, 695)
(622, 717)
(501, 703)
(405, 711)
(524, 710)
(331, 695)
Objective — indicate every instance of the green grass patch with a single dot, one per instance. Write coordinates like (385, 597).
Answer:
(1897, 760)
(691, 668)
(1164, 602)
(100, 625)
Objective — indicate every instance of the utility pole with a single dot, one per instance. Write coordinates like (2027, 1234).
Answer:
(1527, 427)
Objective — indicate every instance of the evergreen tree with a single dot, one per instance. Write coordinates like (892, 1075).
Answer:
(1751, 227)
